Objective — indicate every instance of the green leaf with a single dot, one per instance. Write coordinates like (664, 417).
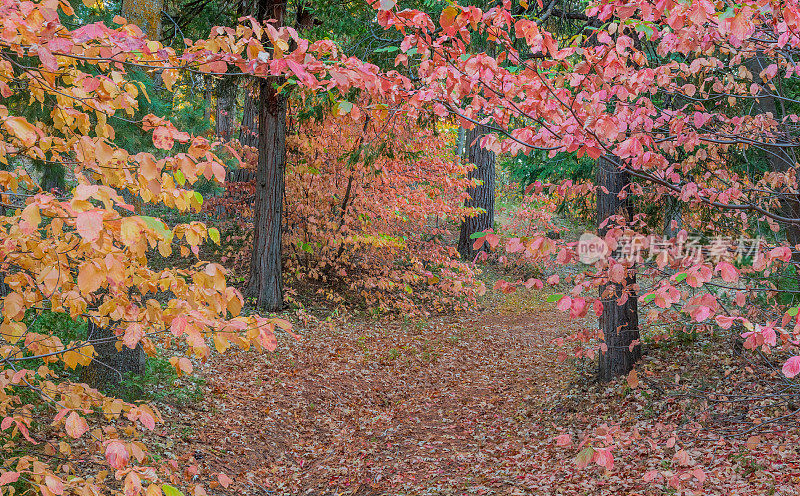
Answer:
(342, 108)
(412, 51)
(649, 298)
(477, 235)
(171, 490)
(198, 197)
(793, 311)
(728, 13)
(464, 57)
(681, 276)
(213, 233)
(644, 28)
(158, 226)
(583, 458)
(554, 297)
(180, 178)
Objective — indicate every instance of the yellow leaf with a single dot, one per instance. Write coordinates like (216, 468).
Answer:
(50, 278)
(220, 343)
(31, 215)
(13, 331)
(234, 304)
(130, 231)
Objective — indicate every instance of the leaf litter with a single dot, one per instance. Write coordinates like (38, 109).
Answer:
(467, 403)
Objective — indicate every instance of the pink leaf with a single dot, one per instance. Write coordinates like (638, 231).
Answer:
(89, 224)
(563, 440)
(605, 459)
(75, 425)
(117, 455)
(224, 480)
(8, 478)
(792, 367)
(728, 272)
(651, 475)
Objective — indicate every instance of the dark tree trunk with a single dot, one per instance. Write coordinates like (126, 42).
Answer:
(208, 94)
(53, 177)
(248, 134)
(110, 365)
(619, 323)
(266, 279)
(672, 212)
(226, 107)
(482, 195)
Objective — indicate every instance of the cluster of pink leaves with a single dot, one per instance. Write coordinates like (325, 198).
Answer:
(595, 98)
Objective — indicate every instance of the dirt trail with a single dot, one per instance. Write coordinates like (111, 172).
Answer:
(368, 407)
(462, 404)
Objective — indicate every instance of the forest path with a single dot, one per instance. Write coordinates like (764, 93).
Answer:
(464, 404)
(455, 403)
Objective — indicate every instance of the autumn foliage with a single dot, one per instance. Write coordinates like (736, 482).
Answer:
(683, 97)
(368, 213)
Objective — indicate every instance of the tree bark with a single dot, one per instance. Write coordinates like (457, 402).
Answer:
(460, 142)
(146, 14)
(619, 323)
(482, 195)
(109, 366)
(672, 212)
(248, 134)
(53, 177)
(226, 107)
(266, 278)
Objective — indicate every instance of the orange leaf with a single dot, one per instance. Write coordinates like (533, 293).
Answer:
(633, 379)
(22, 129)
(224, 480)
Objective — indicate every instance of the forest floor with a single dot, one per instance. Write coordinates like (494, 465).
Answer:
(466, 403)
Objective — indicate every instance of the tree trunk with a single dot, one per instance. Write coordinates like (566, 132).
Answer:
(110, 365)
(146, 14)
(248, 134)
(619, 323)
(266, 278)
(53, 177)
(226, 107)
(208, 94)
(460, 142)
(672, 212)
(481, 196)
